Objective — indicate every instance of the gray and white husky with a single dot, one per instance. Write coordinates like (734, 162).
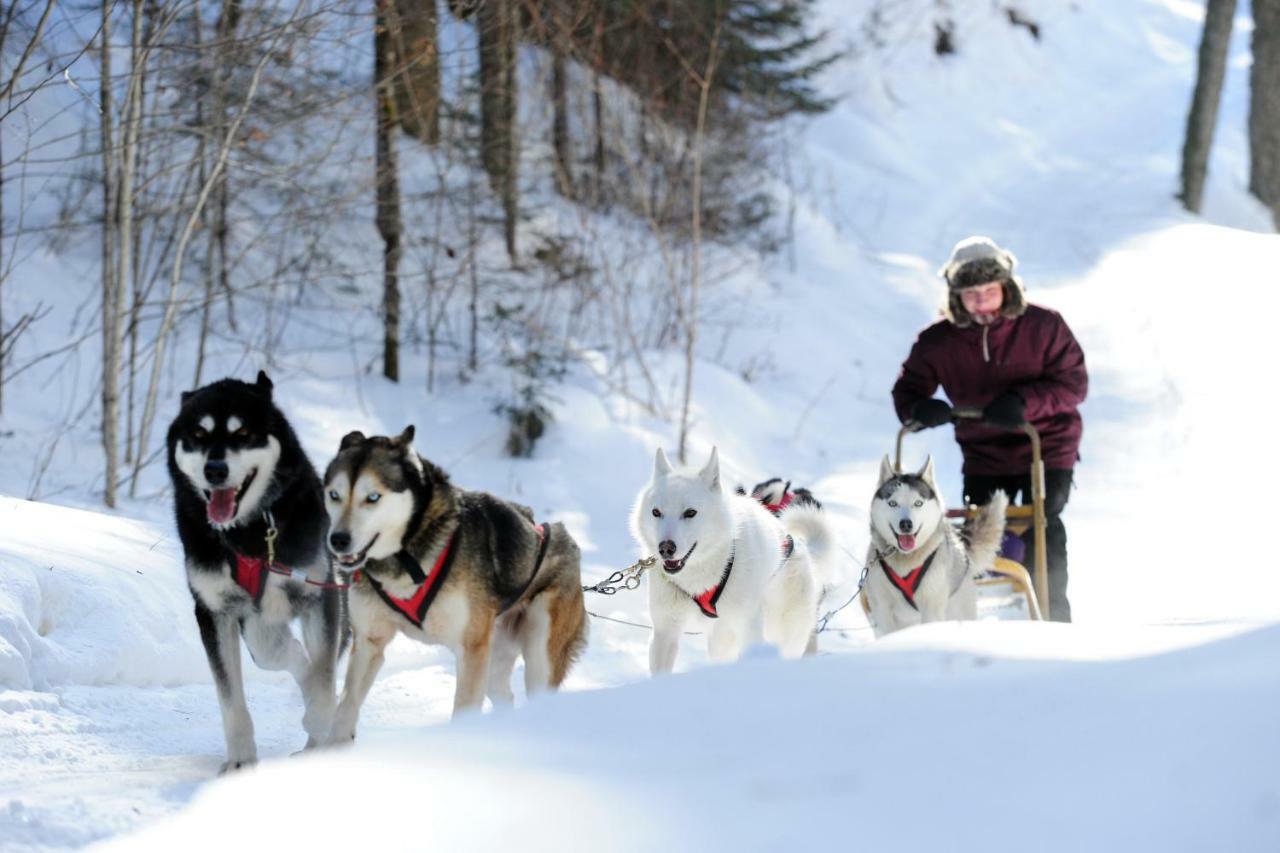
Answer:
(727, 563)
(919, 567)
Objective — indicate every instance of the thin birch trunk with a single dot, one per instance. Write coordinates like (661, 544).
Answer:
(127, 256)
(18, 70)
(110, 375)
(175, 278)
(695, 278)
(211, 236)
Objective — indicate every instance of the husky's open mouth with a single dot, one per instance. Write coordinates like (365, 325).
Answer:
(355, 561)
(906, 542)
(223, 504)
(673, 566)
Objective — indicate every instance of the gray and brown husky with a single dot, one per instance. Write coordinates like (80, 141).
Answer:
(458, 568)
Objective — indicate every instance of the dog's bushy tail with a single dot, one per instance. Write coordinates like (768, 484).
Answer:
(986, 532)
(807, 522)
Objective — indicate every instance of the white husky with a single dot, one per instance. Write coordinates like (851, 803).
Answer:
(919, 568)
(728, 564)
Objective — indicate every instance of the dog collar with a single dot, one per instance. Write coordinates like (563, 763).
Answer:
(909, 584)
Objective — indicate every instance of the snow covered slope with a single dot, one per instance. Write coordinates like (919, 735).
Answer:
(1157, 706)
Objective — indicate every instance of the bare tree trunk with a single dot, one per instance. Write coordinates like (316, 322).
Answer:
(496, 27)
(417, 68)
(180, 252)
(695, 276)
(5, 94)
(473, 237)
(127, 255)
(224, 59)
(560, 122)
(110, 332)
(1203, 118)
(597, 103)
(202, 131)
(3, 272)
(388, 190)
(1264, 106)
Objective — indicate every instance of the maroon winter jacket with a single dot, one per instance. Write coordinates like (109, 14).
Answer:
(1034, 354)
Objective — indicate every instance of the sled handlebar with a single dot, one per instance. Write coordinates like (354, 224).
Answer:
(1041, 568)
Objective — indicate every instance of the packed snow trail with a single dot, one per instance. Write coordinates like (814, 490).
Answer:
(1121, 730)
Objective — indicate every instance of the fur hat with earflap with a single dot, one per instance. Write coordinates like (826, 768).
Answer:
(977, 260)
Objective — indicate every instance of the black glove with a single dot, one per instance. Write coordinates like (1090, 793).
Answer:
(1008, 410)
(931, 413)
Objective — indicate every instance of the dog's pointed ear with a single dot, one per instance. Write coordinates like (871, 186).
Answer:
(887, 471)
(187, 395)
(264, 383)
(661, 467)
(711, 473)
(351, 439)
(405, 438)
(926, 473)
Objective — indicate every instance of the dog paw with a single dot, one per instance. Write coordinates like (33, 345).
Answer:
(234, 766)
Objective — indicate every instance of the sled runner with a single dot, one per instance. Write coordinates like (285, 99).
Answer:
(1007, 591)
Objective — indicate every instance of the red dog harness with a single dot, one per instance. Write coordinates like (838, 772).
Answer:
(415, 607)
(248, 573)
(787, 497)
(909, 584)
(706, 601)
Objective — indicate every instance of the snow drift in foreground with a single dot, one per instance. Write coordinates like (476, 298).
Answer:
(907, 745)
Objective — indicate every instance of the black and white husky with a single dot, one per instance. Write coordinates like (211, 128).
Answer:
(252, 522)
(919, 567)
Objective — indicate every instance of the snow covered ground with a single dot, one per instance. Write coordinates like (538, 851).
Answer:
(1146, 725)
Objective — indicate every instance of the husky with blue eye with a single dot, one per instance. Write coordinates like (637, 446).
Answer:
(728, 566)
(919, 567)
(249, 513)
(448, 566)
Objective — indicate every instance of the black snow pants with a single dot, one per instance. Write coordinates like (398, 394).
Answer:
(1057, 488)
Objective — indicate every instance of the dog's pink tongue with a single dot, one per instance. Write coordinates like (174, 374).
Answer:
(906, 543)
(222, 505)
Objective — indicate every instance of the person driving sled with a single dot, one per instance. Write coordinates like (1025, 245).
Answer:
(1016, 362)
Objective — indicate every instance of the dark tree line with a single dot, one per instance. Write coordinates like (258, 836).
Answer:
(224, 153)
(1264, 103)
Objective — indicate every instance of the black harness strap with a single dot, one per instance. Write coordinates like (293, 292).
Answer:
(544, 540)
(707, 601)
(908, 585)
(415, 608)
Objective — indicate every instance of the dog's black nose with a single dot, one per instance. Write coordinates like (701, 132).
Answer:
(905, 525)
(339, 540)
(215, 471)
(666, 549)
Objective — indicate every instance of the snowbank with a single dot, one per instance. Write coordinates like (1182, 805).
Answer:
(911, 746)
(87, 598)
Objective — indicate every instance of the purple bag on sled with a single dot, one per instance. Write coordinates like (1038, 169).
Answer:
(1012, 547)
